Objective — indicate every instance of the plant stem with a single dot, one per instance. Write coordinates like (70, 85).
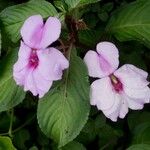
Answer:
(11, 123)
(23, 125)
(10, 132)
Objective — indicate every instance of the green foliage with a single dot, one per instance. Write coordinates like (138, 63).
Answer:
(73, 146)
(19, 141)
(64, 120)
(137, 118)
(77, 3)
(61, 5)
(89, 37)
(109, 136)
(131, 22)
(10, 93)
(0, 42)
(6, 143)
(141, 134)
(139, 147)
(13, 17)
(63, 112)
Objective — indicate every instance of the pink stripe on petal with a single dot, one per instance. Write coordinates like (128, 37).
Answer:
(109, 57)
(51, 32)
(31, 31)
(92, 61)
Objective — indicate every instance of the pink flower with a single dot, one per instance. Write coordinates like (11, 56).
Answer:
(117, 90)
(38, 66)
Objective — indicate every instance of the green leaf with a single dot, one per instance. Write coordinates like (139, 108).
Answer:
(5, 4)
(141, 134)
(108, 6)
(20, 138)
(74, 146)
(61, 5)
(86, 2)
(137, 118)
(6, 143)
(85, 135)
(10, 93)
(103, 16)
(93, 126)
(139, 147)
(13, 17)
(89, 37)
(33, 148)
(77, 3)
(63, 112)
(0, 42)
(109, 136)
(132, 22)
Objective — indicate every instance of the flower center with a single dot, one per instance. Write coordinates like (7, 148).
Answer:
(33, 59)
(117, 85)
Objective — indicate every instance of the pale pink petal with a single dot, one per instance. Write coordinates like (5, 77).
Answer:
(119, 109)
(92, 61)
(29, 84)
(24, 51)
(32, 30)
(113, 112)
(23, 58)
(42, 85)
(138, 70)
(142, 94)
(132, 77)
(108, 57)
(114, 115)
(20, 68)
(51, 32)
(134, 83)
(123, 108)
(134, 104)
(51, 64)
(102, 94)
(19, 76)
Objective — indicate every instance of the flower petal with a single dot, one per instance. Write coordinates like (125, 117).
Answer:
(109, 57)
(20, 68)
(141, 94)
(19, 76)
(24, 51)
(102, 94)
(51, 32)
(134, 104)
(119, 109)
(123, 108)
(31, 31)
(113, 112)
(139, 71)
(51, 63)
(131, 76)
(92, 61)
(30, 83)
(42, 85)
